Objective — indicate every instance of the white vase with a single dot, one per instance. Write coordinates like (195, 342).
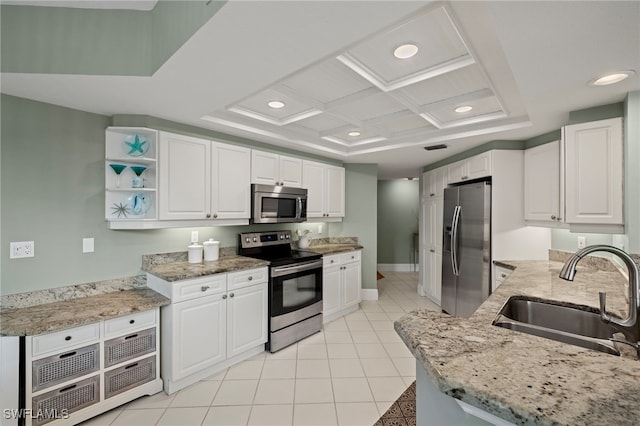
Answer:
(303, 241)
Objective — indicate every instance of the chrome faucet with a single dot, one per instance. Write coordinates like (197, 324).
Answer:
(629, 326)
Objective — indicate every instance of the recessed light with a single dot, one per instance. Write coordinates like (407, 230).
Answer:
(405, 51)
(611, 78)
(276, 104)
(353, 134)
(464, 108)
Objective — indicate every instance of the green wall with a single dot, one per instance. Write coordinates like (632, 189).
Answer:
(632, 172)
(361, 217)
(52, 192)
(398, 213)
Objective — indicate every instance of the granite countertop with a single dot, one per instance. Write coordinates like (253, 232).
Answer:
(56, 316)
(327, 249)
(523, 378)
(183, 270)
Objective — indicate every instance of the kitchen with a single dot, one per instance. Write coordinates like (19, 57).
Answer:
(58, 199)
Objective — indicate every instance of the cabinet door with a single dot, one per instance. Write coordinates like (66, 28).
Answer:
(335, 191)
(431, 223)
(313, 179)
(428, 185)
(457, 172)
(542, 182)
(331, 290)
(351, 283)
(185, 177)
(291, 171)
(433, 275)
(593, 167)
(438, 211)
(439, 181)
(231, 173)
(478, 166)
(247, 318)
(264, 167)
(198, 333)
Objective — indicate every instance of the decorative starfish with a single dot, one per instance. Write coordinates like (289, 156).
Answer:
(136, 146)
(120, 209)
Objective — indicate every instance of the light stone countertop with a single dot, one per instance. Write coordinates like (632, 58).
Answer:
(523, 378)
(329, 249)
(183, 270)
(56, 316)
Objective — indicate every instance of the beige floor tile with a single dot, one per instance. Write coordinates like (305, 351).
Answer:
(159, 400)
(337, 337)
(313, 368)
(405, 366)
(346, 368)
(314, 415)
(200, 394)
(271, 415)
(379, 367)
(236, 392)
(313, 391)
(408, 380)
(368, 306)
(377, 316)
(371, 350)
(235, 415)
(359, 325)
(357, 414)
(279, 369)
(290, 352)
(351, 390)
(388, 337)
(103, 419)
(387, 388)
(275, 392)
(364, 337)
(218, 376)
(341, 350)
(382, 325)
(398, 350)
(183, 416)
(338, 325)
(142, 417)
(312, 351)
(383, 406)
(246, 370)
(313, 339)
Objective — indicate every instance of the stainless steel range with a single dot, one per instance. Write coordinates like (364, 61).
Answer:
(295, 286)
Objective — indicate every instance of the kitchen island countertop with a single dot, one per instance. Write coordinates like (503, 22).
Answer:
(329, 249)
(522, 378)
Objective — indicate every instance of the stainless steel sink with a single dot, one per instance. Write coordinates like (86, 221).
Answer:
(572, 324)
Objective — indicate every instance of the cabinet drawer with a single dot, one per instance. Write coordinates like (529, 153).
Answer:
(192, 289)
(68, 399)
(61, 340)
(131, 346)
(332, 260)
(502, 273)
(244, 278)
(63, 367)
(123, 325)
(353, 256)
(129, 376)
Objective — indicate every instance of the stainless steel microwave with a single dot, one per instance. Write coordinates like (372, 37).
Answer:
(278, 204)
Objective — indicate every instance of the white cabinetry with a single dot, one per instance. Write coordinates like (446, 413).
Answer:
(212, 323)
(432, 206)
(542, 183)
(273, 169)
(326, 186)
(203, 180)
(500, 273)
(475, 167)
(341, 284)
(594, 173)
(78, 373)
(130, 176)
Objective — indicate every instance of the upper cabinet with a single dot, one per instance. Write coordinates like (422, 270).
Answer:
(435, 182)
(577, 182)
(542, 183)
(273, 169)
(593, 169)
(326, 186)
(475, 167)
(203, 180)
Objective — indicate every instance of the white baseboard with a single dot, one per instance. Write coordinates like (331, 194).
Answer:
(369, 293)
(398, 267)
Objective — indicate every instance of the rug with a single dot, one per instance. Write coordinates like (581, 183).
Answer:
(380, 276)
(403, 411)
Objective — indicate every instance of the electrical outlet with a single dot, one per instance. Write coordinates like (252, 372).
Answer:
(194, 236)
(87, 245)
(21, 249)
(582, 242)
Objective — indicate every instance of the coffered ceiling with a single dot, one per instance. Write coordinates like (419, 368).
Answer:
(521, 66)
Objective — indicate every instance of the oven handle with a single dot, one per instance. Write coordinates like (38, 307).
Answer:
(298, 267)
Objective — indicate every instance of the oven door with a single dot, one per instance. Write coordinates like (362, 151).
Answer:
(295, 293)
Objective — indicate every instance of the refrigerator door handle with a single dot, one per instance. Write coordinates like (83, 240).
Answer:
(454, 240)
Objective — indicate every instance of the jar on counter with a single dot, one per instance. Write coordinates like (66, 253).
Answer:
(211, 250)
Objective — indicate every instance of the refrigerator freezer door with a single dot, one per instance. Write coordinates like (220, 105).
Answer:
(449, 279)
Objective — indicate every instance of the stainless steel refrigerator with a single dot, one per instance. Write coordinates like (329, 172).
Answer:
(466, 255)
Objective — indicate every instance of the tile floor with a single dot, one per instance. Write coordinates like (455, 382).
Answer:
(348, 374)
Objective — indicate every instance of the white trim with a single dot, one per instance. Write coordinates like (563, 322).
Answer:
(398, 267)
(369, 294)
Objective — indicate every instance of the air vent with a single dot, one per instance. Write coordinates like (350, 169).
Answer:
(434, 147)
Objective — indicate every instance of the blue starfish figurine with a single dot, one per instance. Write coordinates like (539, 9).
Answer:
(136, 146)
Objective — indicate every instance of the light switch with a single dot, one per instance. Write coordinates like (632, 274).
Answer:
(87, 245)
(582, 242)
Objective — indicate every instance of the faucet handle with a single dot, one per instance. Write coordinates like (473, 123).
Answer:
(603, 303)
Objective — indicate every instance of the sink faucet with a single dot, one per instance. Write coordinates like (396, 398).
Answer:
(629, 326)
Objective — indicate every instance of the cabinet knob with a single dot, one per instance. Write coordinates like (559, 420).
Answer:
(215, 215)
(503, 275)
(432, 250)
(432, 195)
(553, 217)
(204, 288)
(67, 338)
(132, 321)
(208, 215)
(231, 295)
(465, 177)
(331, 261)
(224, 296)
(353, 257)
(250, 278)
(559, 219)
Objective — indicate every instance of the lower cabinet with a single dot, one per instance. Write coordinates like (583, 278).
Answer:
(433, 275)
(75, 374)
(341, 284)
(212, 322)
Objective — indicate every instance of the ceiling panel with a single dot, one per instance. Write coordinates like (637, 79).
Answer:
(370, 107)
(322, 122)
(257, 107)
(481, 107)
(403, 123)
